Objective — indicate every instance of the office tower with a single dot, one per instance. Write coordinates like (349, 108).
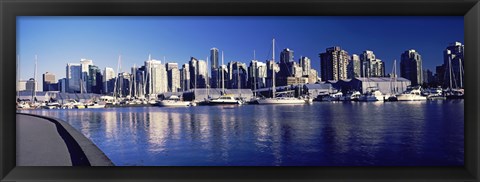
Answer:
(214, 68)
(453, 57)
(288, 67)
(286, 56)
(84, 77)
(193, 68)
(198, 73)
(237, 75)
(271, 66)
(73, 76)
(354, 67)
(49, 82)
(440, 75)
(124, 85)
(370, 65)
(202, 79)
(185, 77)
(313, 76)
(173, 74)
(156, 77)
(22, 85)
(94, 80)
(427, 76)
(62, 85)
(411, 67)
(31, 85)
(257, 75)
(306, 65)
(139, 81)
(108, 80)
(333, 64)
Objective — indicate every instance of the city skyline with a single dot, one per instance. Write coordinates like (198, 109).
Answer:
(62, 40)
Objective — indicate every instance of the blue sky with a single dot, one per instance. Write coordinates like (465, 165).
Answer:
(61, 40)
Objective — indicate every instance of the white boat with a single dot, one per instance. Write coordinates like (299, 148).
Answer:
(371, 96)
(173, 101)
(224, 99)
(96, 105)
(412, 94)
(282, 100)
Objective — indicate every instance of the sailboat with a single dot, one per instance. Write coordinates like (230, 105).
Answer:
(372, 94)
(455, 93)
(224, 99)
(274, 99)
(393, 86)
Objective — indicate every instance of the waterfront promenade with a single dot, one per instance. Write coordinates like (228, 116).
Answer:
(45, 141)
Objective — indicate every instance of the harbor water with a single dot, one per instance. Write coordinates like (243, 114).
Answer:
(428, 133)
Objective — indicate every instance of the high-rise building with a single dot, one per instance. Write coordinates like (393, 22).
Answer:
(156, 74)
(85, 69)
(427, 76)
(74, 77)
(371, 66)
(202, 79)
(214, 68)
(333, 64)
(49, 82)
(94, 80)
(138, 81)
(237, 75)
(31, 85)
(411, 67)
(306, 65)
(62, 85)
(271, 67)
(108, 80)
(173, 75)
(22, 85)
(257, 74)
(124, 84)
(440, 75)
(453, 59)
(354, 67)
(185, 77)
(198, 73)
(286, 56)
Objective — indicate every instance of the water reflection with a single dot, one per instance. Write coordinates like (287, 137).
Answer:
(396, 133)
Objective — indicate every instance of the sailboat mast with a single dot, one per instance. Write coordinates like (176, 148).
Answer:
(254, 75)
(208, 81)
(460, 72)
(273, 68)
(34, 94)
(116, 79)
(450, 70)
(18, 77)
(223, 74)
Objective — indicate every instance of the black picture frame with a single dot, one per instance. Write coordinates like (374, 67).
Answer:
(9, 9)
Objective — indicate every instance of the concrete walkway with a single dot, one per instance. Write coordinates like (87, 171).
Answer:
(44, 141)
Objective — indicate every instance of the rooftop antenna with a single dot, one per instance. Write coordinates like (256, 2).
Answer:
(254, 55)
(149, 57)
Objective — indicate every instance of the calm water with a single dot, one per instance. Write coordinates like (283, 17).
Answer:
(323, 134)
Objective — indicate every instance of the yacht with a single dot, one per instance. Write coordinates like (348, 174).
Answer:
(224, 99)
(412, 94)
(96, 105)
(372, 95)
(173, 101)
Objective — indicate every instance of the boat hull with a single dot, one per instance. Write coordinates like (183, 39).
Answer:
(408, 97)
(281, 101)
(173, 104)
